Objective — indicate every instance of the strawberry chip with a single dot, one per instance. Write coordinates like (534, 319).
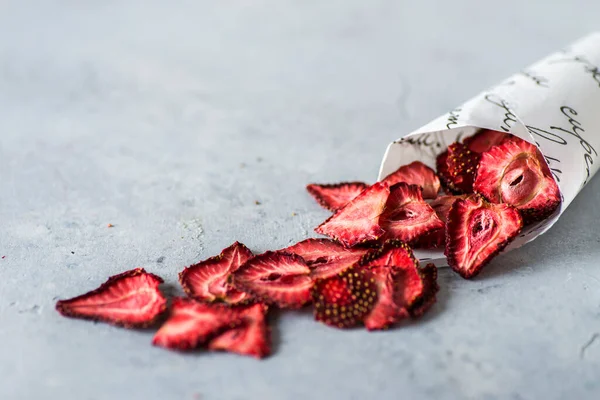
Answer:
(251, 338)
(476, 231)
(192, 324)
(343, 300)
(403, 288)
(337, 195)
(325, 257)
(358, 221)
(130, 299)
(416, 173)
(207, 280)
(514, 172)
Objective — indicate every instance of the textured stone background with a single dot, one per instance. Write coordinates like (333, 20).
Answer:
(170, 121)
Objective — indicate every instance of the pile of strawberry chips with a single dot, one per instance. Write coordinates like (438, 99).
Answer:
(365, 274)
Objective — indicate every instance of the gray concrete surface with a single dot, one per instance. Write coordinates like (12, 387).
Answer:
(170, 121)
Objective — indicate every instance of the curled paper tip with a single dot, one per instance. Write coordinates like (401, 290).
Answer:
(552, 104)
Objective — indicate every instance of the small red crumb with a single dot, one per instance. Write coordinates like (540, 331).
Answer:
(109, 225)
(3, 257)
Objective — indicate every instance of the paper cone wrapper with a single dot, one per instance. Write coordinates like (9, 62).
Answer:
(554, 104)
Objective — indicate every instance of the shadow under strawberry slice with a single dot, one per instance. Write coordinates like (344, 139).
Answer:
(476, 231)
(325, 257)
(207, 280)
(192, 324)
(337, 195)
(251, 338)
(130, 299)
(516, 173)
(278, 278)
(343, 300)
(358, 221)
(416, 173)
(407, 216)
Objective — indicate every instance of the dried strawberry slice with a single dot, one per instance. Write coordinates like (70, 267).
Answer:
(252, 338)
(192, 323)
(462, 166)
(407, 216)
(403, 289)
(207, 280)
(130, 299)
(337, 195)
(358, 221)
(484, 140)
(343, 300)
(416, 173)
(476, 231)
(276, 278)
(325, 257)
(515, 173)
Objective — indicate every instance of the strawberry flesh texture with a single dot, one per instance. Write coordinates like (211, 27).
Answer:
(130, 299)
(416, 173)
(251, 338)
(403, 289)
(476, 231)
(484, 140)
(343, 300)
(358, 221)
(407, 216)
(192, 323)
(437, 237)
(278, 278)
(325, 257)
(207, 280)
(515, 173)
(337, 195)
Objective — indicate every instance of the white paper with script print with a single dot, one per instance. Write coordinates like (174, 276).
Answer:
(555, 104)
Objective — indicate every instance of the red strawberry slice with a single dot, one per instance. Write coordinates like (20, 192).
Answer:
(416, 173)
(335, 196)
(358, 221)
(130, 299)
(461, 166)
(437, 237)
(252, 338)
(343, 300)
(515, 173)
(476, 231)
(276, 278)
(325, 257)
(207, 280)
(403, 289)
(407, 216)
(484, 140)
(192, 323)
